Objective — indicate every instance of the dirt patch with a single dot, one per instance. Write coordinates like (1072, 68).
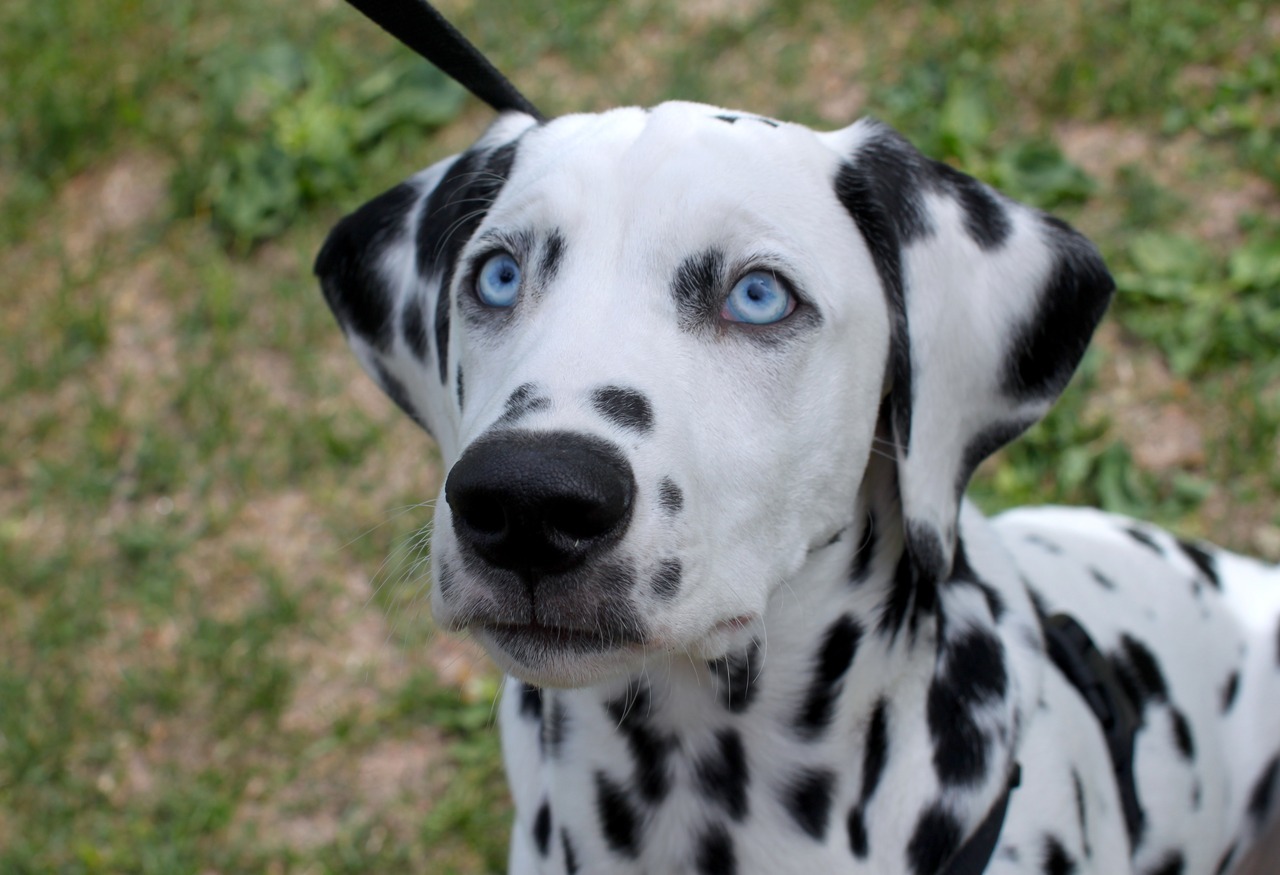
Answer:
(111, 200)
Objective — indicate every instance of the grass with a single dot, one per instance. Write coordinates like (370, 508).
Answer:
(204, 663)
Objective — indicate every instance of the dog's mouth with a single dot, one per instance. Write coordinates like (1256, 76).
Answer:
(536, 637)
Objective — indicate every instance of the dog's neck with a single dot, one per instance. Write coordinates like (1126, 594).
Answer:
(847, 660)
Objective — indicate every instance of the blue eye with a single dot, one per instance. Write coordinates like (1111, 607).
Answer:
(758, 299)
(498, 282)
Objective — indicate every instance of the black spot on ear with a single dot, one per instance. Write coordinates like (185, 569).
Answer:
(1173, 863)
(397, 392)
(1045, 545)
(856, 826)
(666, 580)
(1144, 539)
(670, 496)
(807, 798)
(1203, 560)
(726, 118)
(450, 217)
(542, 828)
(414, 327)
(722, 776)
(348, 265)
(1055, 859)
(1260, 797)
(1229, 691)
(834, 657)
(625, 408)
(530, 701)
(697, 288)
(1045, 349)
(1182, 737)
(570, 855)
(985, 219)
(935, 839)
(552, 256)
(715, 852)
(983, 444)
(738, 677)
(619, 820)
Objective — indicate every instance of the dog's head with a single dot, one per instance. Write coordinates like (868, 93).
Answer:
(655, 348)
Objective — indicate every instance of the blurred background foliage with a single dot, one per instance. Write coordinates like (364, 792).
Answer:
(207, 661)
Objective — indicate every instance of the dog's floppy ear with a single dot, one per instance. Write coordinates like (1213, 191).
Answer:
(387, 268)
(993, 304)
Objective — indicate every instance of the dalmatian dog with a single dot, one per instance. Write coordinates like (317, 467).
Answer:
(709, 388)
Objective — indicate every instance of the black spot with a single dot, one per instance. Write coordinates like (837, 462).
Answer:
(936, 838)
(1044, 350)
(530, 701)
(625, 408)
(962, 572)
(570, 855)
(722, 774)
(397, 392)
(737, 676)
(1102, 580)
(715, 852)
(619, 819)
(1078, 786)
(975, 675)
(649, 748)
(554, 727)
(985, 219)
(983, 444)
(856, 824)
(1138, 672)
(521, 402)
(697, 289)
(1144, 539)
(542, 828)
(875, 754)
(442, 331)
(1055, 859)
(1225, 863)
(414, 327)
(807, 799)
(726, 118)
(897, 606)
(1044, 544)
(833, 659)
(1263, 789)
(461, 390)
(865, 552)
(1203, 560)
(666, 580)
(348, 265)
(1173, 863)
(670, 496)
(552, 256)
(1182, 734)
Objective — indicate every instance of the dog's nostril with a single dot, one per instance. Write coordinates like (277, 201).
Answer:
(582, 519)
(484, 514)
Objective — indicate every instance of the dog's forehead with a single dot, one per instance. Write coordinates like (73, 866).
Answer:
(676, 155)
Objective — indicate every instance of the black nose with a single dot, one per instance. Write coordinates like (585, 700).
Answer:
(539, 501)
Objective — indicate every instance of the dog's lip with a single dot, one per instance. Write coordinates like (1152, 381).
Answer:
(560, 637)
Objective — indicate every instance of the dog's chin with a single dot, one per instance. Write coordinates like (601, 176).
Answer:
(554, 657)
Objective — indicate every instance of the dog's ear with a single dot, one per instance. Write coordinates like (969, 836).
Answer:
(992, 305)
(387, 268)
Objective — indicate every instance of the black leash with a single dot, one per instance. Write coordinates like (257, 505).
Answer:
(418, 25)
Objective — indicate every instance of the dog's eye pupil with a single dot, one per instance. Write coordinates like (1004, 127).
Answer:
(498, 282)
(758, 299)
